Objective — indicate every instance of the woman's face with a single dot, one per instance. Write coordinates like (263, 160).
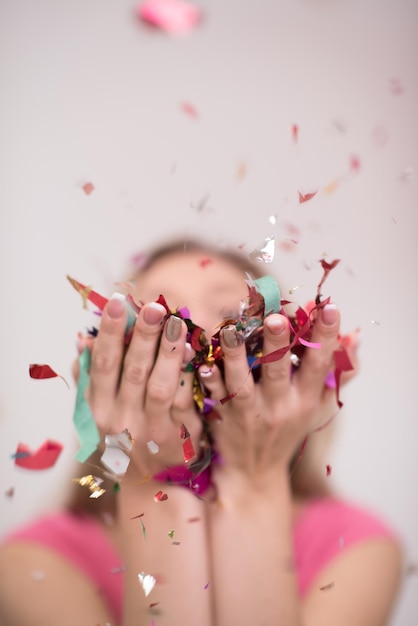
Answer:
(210, 287)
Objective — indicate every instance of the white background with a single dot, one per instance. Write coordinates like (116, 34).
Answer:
(89, 93)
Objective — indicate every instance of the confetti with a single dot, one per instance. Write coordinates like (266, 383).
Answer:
(87, 293)
(306, 197)
(241, 171)
(264, 252)
(327, 587)
(153, 447)
(273, 219)
(175, 17)
(188, 449)
(206, 586)
(396, 87)
(39, 372)
(147, 581)
(43, 458)
(88, 188)
(92, 483)
(160, 496)
(355, 163)
(116, 454)
(10, 492)
(171, 534)
(189, 109)
(328, 470)
(175, 543)
(295, 132)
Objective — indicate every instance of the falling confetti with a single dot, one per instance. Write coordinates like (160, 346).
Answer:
(188, 449)
(160, 496)
(306, 197)
(92, 483)
(295, 133)
(175, 17)
(147, 582)
(43, 458)
(264, 252)
(88, 188)
(189, 109)
(10, 492)
(153, 447)
(39, 372)
(328, 470)
(87, 293)
(116, 453)
(171, 534)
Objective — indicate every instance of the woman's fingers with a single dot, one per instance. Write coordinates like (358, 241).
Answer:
(275, 377)
(317, 362)
(140, 357)
(106, 359)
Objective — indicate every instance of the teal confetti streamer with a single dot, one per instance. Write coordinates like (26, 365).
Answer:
(83, 419)
(270, 290)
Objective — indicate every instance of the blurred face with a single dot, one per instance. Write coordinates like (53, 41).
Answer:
(210, 287)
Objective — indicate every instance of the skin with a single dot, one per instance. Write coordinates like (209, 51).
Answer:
(242, 540)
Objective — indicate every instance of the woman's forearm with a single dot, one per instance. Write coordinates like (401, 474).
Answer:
(251, 545)
(166, 543)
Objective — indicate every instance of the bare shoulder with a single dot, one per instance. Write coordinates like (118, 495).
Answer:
(39, 587)
(359, 587)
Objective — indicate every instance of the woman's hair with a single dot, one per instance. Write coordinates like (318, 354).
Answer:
(306, 478)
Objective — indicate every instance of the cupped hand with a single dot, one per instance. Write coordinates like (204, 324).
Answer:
(142, 387)
(262, 423)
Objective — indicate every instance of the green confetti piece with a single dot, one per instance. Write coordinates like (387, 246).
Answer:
(270, 290)
(171, 533)
(144, 530)
(83, 419)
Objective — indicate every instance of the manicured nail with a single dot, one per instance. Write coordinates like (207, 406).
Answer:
(154, 313)
(115, 308)
(173, 328)
(206, 373)
(329, 314)
(276, 325)
(231, 337)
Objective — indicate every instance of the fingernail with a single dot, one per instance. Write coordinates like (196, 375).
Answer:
(231, 337)
(173, 328)
(115, 308)
(329, 314)
(206, 373)
(154, 313)
(276, 325)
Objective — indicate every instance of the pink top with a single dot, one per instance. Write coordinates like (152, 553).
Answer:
(323, 530)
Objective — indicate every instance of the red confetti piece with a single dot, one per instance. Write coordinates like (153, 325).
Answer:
(88, 188)
(188, 449)
(306, 197)
(192, 520)
(137, 516)
(205, 262)
(87, 293)
(328, 470)
(295, 132)
(160, 496)
(39, 372)
(44, 457)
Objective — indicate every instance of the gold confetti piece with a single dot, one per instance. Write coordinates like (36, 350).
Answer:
(93, 483)
(171, 533)
(293, 289)
(147, 582)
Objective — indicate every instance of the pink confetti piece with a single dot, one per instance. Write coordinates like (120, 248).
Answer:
(175, 17)
(189, 109)
(295, 133)
(310, 344)
(355, 164)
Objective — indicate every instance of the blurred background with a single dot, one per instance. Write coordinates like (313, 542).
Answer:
(116, 134)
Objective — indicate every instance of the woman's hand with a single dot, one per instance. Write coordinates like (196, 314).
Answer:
(262, 424)
(143, 388)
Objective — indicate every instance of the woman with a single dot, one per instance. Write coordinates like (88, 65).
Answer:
(264, 543)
